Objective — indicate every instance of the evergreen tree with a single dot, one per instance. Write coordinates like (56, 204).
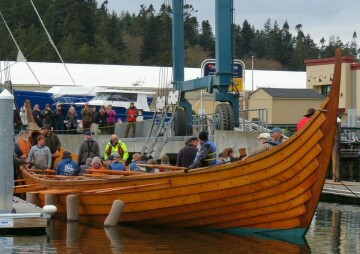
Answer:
(206, 38)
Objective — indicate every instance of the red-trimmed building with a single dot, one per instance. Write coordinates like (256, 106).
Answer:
(319, 75)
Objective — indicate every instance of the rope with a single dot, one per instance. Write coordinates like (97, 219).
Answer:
(52, 42)
(345, 185)
(13, 38)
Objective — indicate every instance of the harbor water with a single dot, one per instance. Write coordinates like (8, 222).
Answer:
(334, 229)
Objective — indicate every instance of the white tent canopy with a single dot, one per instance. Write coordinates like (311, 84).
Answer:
(127, 76)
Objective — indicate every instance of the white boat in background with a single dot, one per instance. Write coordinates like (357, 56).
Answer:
(120, 101)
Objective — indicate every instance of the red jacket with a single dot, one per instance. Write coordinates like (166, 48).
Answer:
(131, 114)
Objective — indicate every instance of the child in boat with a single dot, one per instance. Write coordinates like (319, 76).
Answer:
(87, 165)
(67, 166)
(113, 162)
(227, 156)
(97, 163)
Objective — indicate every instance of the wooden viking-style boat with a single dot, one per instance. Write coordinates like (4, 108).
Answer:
(274, 193)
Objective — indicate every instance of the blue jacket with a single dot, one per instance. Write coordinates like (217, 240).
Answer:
(67, 167)
(117, 166)
(206, 156)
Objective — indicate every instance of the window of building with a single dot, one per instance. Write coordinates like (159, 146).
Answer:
(325, 90)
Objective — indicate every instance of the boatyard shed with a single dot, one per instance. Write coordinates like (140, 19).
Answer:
(283, 105)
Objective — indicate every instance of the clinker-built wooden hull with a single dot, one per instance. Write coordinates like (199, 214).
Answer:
(275, 192)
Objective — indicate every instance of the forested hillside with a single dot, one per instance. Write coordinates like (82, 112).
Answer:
(87, 32)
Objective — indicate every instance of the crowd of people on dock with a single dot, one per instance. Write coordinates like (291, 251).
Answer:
(64, 121)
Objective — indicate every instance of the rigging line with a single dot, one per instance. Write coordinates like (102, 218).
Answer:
(338, 179)
(52, 42)
(13, 38)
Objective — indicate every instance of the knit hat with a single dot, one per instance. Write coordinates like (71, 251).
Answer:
(87, 133)
(66, 154)
(88, 161)
(165, 159)
(96, 163)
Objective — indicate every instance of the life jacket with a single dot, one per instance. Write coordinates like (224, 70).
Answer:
(119, 150)
(132, 114)
(211, 158)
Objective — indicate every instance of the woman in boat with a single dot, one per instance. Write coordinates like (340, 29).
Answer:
(227, 156)
(97, 163)
(71, 120)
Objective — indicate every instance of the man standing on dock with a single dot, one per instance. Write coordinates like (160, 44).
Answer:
(131, 114)
(53, 142)
(88, 149)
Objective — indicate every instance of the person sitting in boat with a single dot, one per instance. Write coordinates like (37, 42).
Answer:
(206, 156)
(67, 167)
(227, 156)
(88, 149)
(277, 136)
(113, 162)
(116, 146)
(266, 143)
(187, 154)
(40, 155)
(135, 160)
(305, 119)
(152, 170)
(131, 114)
(164, 160)
(84, 167)
(143, 160)
(96, 163)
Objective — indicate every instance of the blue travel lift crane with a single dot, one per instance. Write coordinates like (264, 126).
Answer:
(227, 113)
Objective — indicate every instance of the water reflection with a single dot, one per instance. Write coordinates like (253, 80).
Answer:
(335, 229)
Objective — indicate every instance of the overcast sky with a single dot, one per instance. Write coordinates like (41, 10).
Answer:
(319, 18)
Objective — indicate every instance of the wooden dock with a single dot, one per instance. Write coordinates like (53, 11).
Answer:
(24, 216)
(341, 192)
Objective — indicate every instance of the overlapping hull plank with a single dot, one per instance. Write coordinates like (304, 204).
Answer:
(277, 190)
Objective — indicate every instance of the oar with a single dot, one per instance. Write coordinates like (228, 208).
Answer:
(161, 166)
(112, 172)
(49, 171)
